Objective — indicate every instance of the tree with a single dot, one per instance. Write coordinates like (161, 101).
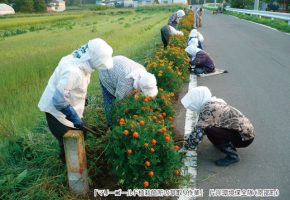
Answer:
(242, 3)
(39, 5)
(4, 1)
(27, 6)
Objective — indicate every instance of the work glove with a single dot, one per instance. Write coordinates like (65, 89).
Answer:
(195, 137)
(72, 116)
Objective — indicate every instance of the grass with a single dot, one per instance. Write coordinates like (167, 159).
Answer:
(28, 60)
(276, 23)
(29, 165)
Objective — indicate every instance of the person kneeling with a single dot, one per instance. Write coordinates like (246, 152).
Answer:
(200, 59)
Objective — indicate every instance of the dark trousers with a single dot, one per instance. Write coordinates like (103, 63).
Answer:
(108, 104)
(219, 136)
(58, 130)
(165, 35)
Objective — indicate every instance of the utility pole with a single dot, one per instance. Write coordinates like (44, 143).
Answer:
(256, 5)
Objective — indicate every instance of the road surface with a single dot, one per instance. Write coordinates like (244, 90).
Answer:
(258, 84)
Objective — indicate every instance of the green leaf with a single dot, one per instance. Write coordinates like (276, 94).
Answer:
(20, 177)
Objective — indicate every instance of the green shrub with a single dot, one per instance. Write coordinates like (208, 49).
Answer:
(166, 77)
(99, 7)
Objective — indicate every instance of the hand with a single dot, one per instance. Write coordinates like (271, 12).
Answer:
(72, 116)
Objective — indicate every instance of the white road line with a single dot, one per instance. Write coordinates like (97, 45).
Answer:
(190, 160)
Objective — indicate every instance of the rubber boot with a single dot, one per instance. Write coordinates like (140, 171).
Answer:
(231, 155)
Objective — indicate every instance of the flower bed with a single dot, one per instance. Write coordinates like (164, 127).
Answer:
(141, 150)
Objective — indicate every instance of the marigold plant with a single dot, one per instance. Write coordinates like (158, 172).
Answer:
(131, 144)
(140, 148)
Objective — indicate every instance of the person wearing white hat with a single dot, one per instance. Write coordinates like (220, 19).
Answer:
(175, 18)
(195, 38)
(225, 126)
(202, 62)
(63, 99)
(125, 76)
(166, 32)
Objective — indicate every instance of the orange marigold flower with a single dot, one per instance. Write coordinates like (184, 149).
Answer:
(135, 135)
(142, 123)
(150, 173)
(176, 172)
(126, 132)
(122, 121)
(160, 117)
(167, 139)
(129, 151)
(146, 184)
(147, 163)
(176, 147)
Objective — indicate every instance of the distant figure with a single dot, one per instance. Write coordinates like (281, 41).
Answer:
(273, 6)
(201, 60)
(175, 18)
(166, 32)
(225, 126)
(195, 38)
(198, 17)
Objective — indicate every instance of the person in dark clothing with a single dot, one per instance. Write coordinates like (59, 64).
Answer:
(201, 60)
(175, 18)
(166, 32)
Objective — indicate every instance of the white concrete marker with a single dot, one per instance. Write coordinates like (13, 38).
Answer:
(190, 160)
(76, 161)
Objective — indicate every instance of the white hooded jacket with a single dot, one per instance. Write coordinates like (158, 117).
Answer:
(69, 81)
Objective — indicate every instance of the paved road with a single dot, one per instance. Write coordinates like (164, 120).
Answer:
(258, 84)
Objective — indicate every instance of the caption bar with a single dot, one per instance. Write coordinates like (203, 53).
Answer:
(188, 192)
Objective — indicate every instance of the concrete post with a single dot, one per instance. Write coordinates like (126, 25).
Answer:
(76, 161)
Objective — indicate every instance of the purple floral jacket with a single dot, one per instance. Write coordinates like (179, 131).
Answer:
(202, 60)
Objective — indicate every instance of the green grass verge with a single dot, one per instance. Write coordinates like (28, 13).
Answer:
(276, 23)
